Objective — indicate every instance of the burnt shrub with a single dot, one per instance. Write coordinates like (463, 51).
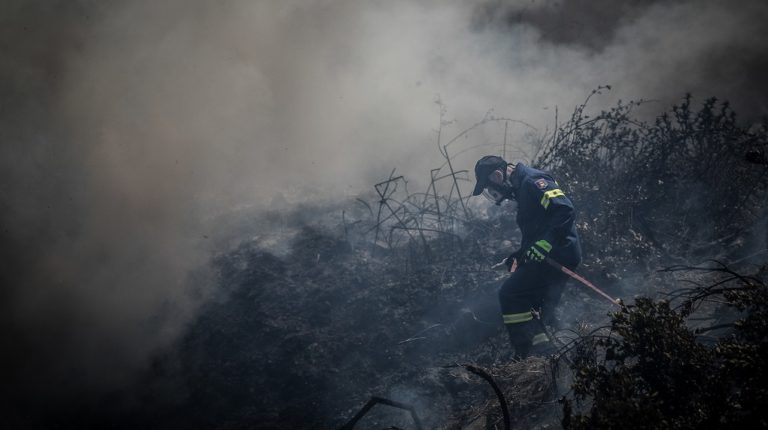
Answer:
(684, 185)
(651, 369)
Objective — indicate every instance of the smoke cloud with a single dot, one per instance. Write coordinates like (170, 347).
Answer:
(127, 127)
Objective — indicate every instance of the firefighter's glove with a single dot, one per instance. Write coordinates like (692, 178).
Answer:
(538, 251)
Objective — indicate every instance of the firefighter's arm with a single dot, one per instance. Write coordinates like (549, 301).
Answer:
(558, 219)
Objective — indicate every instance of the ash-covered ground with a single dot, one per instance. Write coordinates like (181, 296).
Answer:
(302, 335)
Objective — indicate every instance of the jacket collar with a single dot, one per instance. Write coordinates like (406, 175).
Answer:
(516, 180)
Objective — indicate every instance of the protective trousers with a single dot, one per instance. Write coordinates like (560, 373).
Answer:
(529, 294)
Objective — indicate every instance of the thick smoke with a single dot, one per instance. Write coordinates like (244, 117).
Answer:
(127, 127)
(647, 48)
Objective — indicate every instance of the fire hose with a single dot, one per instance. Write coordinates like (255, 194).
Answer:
(581, 279)
(568, 272)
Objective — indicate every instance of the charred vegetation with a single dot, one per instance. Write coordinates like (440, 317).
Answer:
(696, 360)
(384, 296)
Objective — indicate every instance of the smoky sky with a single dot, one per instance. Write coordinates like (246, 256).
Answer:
(592, 23)
(128, 127)
(708, 48)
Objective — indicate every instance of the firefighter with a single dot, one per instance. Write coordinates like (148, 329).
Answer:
(545, 216)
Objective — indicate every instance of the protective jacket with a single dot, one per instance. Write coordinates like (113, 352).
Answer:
(545, 212)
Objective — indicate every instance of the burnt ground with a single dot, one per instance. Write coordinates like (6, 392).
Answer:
(303, 338)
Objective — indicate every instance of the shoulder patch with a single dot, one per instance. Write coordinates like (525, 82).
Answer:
(541, 183)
